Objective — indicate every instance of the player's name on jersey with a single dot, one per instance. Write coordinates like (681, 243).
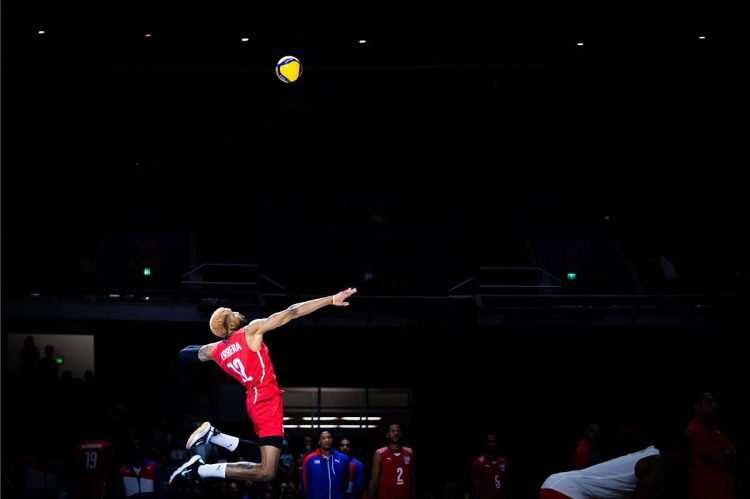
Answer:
(231, 350)
(92, 446)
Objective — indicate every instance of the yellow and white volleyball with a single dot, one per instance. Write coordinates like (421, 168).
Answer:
(288, 69)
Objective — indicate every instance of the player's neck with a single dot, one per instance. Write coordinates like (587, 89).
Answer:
(395, 447)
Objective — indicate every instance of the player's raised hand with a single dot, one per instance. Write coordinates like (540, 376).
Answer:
(339, 299)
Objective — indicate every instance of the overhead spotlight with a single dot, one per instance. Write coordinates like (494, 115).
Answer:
(580, 44)
(244, 39)
(41, 32)
(701, 37)
(147, 35)
(362, 42)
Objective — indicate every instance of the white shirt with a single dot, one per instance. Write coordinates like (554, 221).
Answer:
(613, 479)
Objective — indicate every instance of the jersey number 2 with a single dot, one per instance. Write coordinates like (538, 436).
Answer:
(399, 476)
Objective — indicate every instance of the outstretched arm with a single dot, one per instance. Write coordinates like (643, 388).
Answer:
(260, 326)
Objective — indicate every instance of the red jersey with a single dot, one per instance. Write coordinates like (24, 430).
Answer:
(91, 464)
(708, 481)
(252, 369)
(490, 476)
(585, 455)
(395, 473)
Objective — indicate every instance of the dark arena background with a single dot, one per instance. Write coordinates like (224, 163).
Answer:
(542, 207)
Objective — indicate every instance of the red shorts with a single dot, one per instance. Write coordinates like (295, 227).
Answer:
(267, 416)
(551, 494)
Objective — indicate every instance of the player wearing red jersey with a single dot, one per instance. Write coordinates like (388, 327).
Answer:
(713, 457)
(242, 354)
(489, 471)
(393, 469)
(92, 468)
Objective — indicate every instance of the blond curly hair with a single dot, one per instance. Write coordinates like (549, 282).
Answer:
(223, 322)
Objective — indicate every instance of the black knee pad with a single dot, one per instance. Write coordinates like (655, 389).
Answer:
(275, 441)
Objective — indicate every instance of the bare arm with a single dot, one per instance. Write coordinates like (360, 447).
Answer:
(374, 476)
(206, 351)
(255, 330)
(197, 353)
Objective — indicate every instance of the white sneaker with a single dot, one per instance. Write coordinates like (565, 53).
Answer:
(201, 436)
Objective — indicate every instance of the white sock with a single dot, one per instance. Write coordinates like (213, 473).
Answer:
(227, 441)
(217, 470)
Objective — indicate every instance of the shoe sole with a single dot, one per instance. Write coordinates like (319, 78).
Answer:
(202, 430)
(186, 465)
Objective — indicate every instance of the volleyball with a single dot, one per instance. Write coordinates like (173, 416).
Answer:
(288, 69)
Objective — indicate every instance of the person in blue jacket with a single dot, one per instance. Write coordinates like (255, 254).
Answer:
(356, 470)
(325, 471)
